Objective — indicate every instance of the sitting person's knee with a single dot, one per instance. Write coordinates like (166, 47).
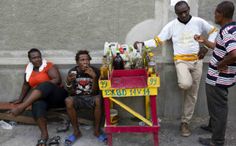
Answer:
(45, 88)
(69, 102)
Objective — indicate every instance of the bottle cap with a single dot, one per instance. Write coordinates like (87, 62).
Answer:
(151, 63)
(117, 51)
(151, 54)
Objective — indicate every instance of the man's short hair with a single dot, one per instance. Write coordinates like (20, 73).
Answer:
(181, 3)
(226, 8)
(80, 52)
(33, 50)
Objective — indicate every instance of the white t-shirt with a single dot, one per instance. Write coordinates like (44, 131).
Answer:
(182, 35)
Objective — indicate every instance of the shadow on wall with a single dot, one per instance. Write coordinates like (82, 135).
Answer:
(164, 12)
(143, 31)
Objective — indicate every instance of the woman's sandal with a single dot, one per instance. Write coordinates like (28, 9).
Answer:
(54, 141)
(42, 142)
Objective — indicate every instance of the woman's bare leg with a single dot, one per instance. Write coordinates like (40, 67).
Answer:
(34, 95)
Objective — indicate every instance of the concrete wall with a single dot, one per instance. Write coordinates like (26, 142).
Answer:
(60, 28)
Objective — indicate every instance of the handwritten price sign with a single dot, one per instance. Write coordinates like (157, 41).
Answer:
(153, 82)
(129, 92)
(104, 84)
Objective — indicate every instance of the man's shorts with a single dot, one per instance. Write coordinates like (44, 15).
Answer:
(84, 101)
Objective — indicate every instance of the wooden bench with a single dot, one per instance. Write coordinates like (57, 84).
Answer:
(59, 113)
(5, 106)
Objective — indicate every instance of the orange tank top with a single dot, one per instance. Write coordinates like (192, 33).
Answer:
(40, 77)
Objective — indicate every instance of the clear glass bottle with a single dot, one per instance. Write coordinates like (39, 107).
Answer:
(104, 70)
(151, 64)
(139, 60)
(127, 61)
(109, 59)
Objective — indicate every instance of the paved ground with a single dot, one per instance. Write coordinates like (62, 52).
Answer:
(26, 135)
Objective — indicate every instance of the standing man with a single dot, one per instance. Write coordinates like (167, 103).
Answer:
(82, 85)
(221, 72)
(187, 57)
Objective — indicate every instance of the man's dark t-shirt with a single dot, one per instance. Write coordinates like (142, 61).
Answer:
(82, 85)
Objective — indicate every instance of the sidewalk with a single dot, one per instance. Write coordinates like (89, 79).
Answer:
(27, 135)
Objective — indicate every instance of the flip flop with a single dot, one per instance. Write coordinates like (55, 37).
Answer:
(42, 142)
(70, 140)
(54, 141)
(102, 137)
(64, 128)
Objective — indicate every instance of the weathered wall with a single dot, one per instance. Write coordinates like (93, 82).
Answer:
(59, 28)
(68, 25)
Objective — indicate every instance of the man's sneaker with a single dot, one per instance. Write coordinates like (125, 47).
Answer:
(184, 129)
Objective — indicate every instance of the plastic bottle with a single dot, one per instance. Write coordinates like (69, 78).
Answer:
(118, 61)
(139, 60)
(109, 59)
(5, 125)
(104, 69)
(145, 61)
(147, 56)
(131, 57)
(151, 64)
(140, 47)
(126, 59)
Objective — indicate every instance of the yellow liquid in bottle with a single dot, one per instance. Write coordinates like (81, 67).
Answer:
(104, 69)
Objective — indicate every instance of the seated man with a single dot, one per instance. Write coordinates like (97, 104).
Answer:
(82, 85)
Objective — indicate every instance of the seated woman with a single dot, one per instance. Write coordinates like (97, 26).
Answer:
(41, 88)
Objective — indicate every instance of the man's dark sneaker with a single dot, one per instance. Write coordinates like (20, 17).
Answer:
(185, 130)
(206, 128)
(205, 141)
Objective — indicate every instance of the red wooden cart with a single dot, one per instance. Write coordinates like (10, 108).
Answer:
(131, 83)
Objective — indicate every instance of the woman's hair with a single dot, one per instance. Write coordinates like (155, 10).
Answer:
(226, 8)
(80, 52)
(33, 50)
